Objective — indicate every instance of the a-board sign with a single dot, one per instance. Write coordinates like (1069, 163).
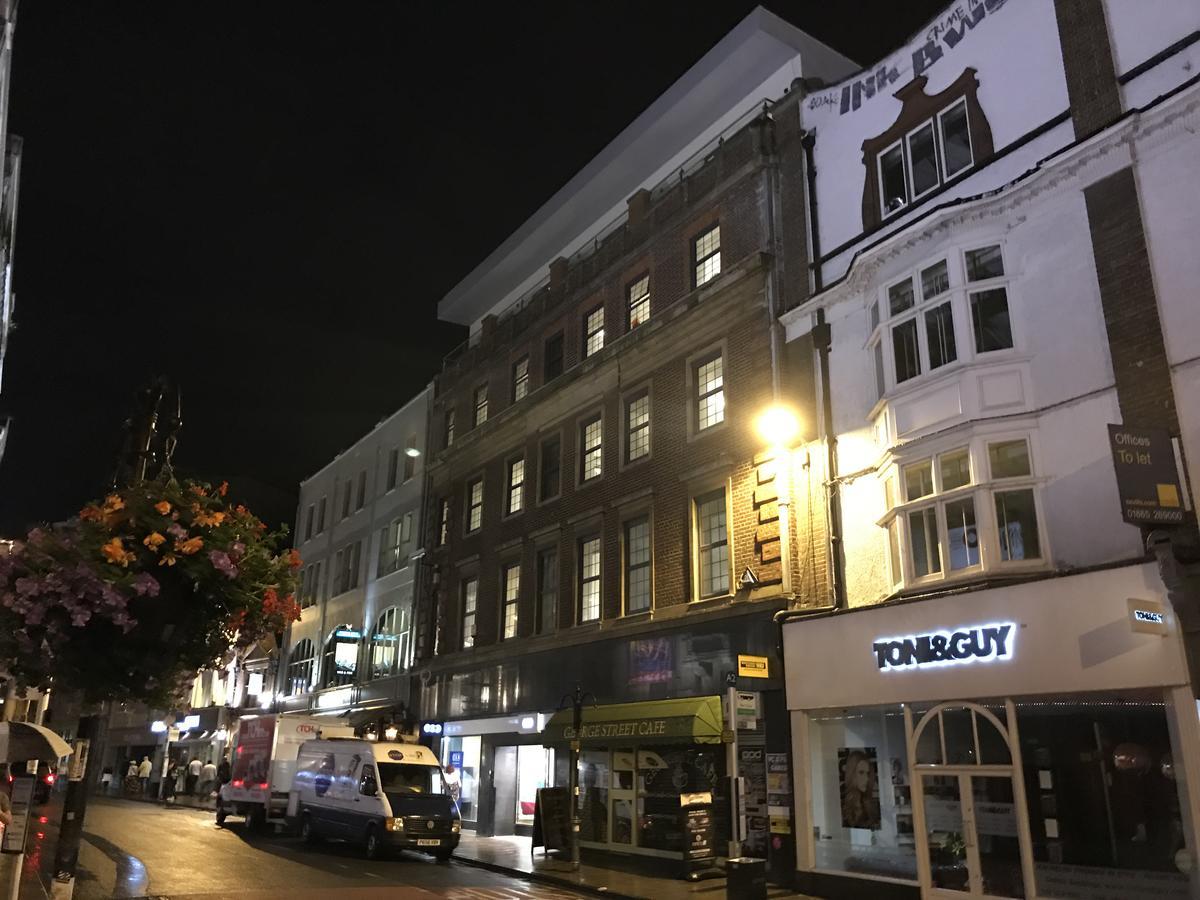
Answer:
(552, 819)
(699, 833)
(22, 801)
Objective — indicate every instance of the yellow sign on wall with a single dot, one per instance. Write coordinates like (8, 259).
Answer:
(753, 666)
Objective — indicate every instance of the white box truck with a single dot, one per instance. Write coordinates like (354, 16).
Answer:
(262, 763)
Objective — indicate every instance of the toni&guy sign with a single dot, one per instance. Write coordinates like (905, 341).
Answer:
(967, 644)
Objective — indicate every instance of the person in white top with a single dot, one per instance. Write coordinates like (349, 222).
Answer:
(193, 775)
(144, 769)
(208, 779)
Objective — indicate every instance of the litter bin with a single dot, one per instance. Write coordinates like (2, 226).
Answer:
(746, 878)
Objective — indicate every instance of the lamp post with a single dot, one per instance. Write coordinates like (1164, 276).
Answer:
(576, 699)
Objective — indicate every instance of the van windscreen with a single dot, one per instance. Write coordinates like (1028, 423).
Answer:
(405, 778)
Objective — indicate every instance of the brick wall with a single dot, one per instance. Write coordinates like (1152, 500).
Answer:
(1088, 64)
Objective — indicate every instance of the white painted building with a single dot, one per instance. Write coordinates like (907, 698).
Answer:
(358, 534)
(996, 700)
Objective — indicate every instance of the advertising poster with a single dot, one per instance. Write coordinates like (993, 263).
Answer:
(650, 661)
(858, 774)
(252, 758)
(753, 770)
(779, 789)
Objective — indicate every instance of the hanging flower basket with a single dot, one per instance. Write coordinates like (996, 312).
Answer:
(130, 599)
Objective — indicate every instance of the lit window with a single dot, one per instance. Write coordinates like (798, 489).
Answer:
(300, 668)
(444, 523)
(637, 565)
(512, 597)
(589, 580)
(706, 256)
(481, 405)
(638, 300)
(516, 486)
(470, 598)
(449, 428)
(931, 154)
(520, 378)
(591, 434)
(710, 392)
(637, 441)
(390, 642)
(712, 544)
(475, 505)
(340, 659)
(593, 331)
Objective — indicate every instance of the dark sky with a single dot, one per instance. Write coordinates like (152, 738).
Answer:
(265, 200)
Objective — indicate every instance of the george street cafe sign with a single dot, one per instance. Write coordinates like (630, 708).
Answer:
(1147, 477)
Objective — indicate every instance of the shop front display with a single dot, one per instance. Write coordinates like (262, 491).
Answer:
(1048, 766)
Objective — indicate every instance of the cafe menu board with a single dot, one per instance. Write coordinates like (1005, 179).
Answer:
(552, 819)
(699, 833)
(22, 799)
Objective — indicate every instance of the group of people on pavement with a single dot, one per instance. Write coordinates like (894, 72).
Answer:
(200, 779)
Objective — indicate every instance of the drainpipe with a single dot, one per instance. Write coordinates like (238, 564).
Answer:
(823, 339)
(814, 226)
(774, 230)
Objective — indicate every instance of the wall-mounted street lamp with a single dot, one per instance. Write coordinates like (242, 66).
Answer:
(412, 451)
(778, 426)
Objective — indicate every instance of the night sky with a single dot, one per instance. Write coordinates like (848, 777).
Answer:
(265, 201)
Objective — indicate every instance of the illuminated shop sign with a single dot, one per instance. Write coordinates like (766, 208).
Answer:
(431, 728)
(968, 644)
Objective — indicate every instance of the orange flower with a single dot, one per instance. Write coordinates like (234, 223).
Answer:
(240, 510)
(112, 503)
(167, 560)
(163, 507)
(91, 513)
(114, 551)
(190, 546)
(198, 491)
(154, 540)
(294, 560)
(209, 519)
(223, 489)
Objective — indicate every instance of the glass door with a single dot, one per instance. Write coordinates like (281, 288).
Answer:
(623, 798)
(594, 779)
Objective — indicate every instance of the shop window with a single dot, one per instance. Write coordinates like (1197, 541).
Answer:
(390, 642)
(340, 660)
(535, 770)
(300, 668)
(460, 762)
(862, 795)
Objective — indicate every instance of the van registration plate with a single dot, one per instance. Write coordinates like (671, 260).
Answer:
(428, 842)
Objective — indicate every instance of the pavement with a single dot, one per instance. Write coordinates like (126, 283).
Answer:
(135, 849)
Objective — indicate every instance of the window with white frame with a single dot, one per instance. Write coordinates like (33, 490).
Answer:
(924, 159)
(709, 379)
(347, 564)
(938, 509)
(589, 579)
(475, 504)
(706, 256)
(448, 429)
(512, 598)
(393, 541)
(712, 544)
(444, 522)
(516, 486)
(637, 426)
(470, 601)
(390, 641)
(593, 331)
(637, 564)
(591, 448)
(481, 405)
(918, 325)
(520, 379)
(300, 668)
(637, 301)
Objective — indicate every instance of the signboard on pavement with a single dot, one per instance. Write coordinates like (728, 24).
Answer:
(1147, 476)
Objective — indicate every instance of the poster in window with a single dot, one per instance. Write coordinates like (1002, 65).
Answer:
(650, 661)
(858, 774)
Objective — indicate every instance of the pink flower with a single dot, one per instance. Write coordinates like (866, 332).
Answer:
(222, 563)
(145, 585)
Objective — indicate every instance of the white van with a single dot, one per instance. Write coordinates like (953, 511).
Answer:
(382, 795)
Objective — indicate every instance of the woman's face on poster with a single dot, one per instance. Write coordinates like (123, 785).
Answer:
(861, 777)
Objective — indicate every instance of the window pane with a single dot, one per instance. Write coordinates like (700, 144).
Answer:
(512, 594)
(637, 565)
(638, 428)
(985, 262)
(1016, 520)
(955, 468)
(918, 480)
(880, 381)
(961, 535)
(516, 485)
(710, 382)
(904, 345)
(594, 331)
(923, 159)
(956, 139)
(939, 335)
(521, 379)
(547, 585)
(922, 528)
(935, 280)
(551, 463)
(1009, 459)
(989, 315)
(707, 256)
(591, 442)
(639, 301)
(891, 180)
(713, 542)
(893, 530)
(552, 365)
(589, 576)
(900, 297)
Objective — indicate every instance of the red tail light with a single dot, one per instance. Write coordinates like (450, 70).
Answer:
(238, 782)
(263, 785)
(49, 778)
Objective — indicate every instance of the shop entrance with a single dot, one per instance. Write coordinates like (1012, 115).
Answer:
(968, 809)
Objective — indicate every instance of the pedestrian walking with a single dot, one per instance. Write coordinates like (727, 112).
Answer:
(173, 771)
(143, 773)
(193, 776)
(208, 780)
(224, 773)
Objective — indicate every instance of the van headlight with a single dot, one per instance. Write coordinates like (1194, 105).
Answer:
(456, 826)
(394, 824)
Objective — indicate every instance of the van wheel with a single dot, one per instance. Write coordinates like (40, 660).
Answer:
(308, 833)
(373, 846)
(254, 819)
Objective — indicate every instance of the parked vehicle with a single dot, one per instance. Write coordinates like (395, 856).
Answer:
(263, 760)
(47, 774)
(381, 795)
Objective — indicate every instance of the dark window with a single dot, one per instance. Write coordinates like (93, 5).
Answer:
(922, 155)
(448, 429)
(552, 363)
(989, 317)
(361, 498)
(956, 139)
(321, 516)
(520, 378)
(547, 590)
(411, 453)
(308, 526)
(904, 344)
(893, 187)
(637, 565)
(939, 333)
(393, 467)
(550, 475)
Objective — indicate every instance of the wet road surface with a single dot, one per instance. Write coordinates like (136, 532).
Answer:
(134, 849)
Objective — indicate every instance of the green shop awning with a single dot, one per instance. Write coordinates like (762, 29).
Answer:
(692, 719)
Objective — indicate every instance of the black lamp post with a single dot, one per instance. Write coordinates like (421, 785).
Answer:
(576, 699)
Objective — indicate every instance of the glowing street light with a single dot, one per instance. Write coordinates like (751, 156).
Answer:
(777, 426)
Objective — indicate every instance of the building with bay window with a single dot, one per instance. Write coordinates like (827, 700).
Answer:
(997, 700)
(359, 536)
